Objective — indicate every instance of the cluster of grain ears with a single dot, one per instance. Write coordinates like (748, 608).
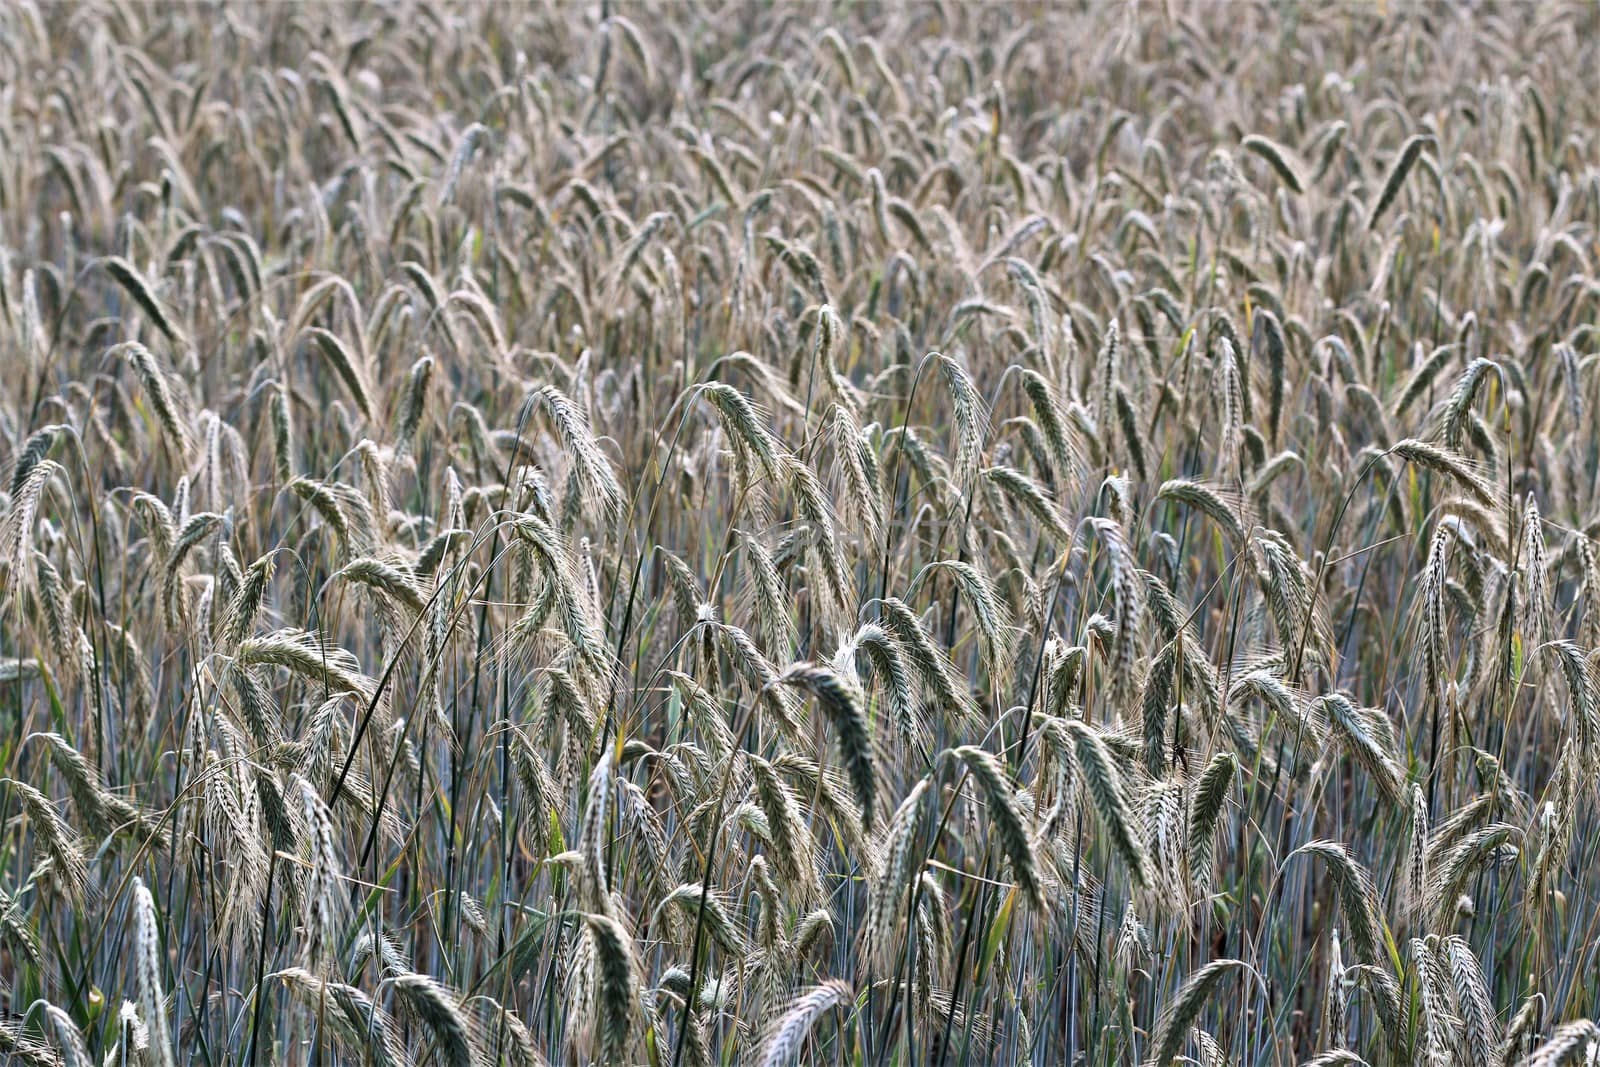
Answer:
(699, 533)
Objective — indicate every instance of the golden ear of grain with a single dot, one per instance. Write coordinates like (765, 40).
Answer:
(53, 837)
(970, 416)
(163, 394)
(147, 957)
(17, 526)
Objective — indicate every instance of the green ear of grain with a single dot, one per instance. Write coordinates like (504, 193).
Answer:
(1407, 158)
(1277, 158)
(143, 294)
(1182, 1011)
(1011, 833)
